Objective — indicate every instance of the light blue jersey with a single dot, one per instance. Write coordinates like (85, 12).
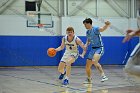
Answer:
(94, 37)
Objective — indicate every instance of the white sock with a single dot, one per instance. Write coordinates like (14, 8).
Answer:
(89, 77)
(63, 73)
(66, 77)
(103, 75)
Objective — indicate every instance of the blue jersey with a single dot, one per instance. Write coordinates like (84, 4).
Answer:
(94, 37)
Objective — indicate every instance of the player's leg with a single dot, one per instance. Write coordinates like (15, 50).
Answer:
(96, 59)
(61, 69)
(70, 60)
(62, 65)
(88, 70)
(88, 66)
(68, 65)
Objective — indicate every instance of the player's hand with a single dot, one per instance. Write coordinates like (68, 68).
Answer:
(129, 34)
(107, 23)
(82, 56)
(56, 50)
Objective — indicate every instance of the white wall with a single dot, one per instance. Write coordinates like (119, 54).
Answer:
(16, 25)
(120, 23)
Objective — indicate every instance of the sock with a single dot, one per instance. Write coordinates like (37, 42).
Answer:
(62, 73)
(66, 77)
(103, 75)
(89, 77)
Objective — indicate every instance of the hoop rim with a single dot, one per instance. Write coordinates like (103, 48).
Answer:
(40, 25)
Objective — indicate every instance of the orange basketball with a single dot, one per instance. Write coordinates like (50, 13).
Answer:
(51, 52)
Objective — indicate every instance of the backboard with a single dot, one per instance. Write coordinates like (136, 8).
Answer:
(35, 18)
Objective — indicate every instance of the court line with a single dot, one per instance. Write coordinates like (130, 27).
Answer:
(42, 82)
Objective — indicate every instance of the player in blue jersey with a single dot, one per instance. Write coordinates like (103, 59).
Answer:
(97, 48)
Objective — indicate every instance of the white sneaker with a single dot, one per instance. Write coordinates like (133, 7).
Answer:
(88, 81)
(104, 78)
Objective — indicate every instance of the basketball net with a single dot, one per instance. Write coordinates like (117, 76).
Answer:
(41, 27)
(31, 13)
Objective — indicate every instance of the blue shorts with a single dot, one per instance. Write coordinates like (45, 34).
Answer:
(93, 51)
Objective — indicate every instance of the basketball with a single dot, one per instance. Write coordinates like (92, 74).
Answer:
(51, 52)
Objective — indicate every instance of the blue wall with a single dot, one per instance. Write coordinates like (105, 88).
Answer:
(31, 50)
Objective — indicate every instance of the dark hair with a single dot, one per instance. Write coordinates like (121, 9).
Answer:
(70, 29)
(87, 20)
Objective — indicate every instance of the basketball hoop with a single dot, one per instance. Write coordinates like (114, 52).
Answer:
(31, 13)
(41, 27)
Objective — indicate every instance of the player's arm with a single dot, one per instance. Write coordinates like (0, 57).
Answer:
(61, 47)
(107, 24)
(79, 42)
(87, 43)
(138, 33)
(131, 33)
(84, 51)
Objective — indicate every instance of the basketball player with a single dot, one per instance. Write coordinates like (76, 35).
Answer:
(94, 38)
(71, 42)
(133, 64)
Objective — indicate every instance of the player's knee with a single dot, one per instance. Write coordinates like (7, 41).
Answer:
(68, 64)
(70, 61)
(97, 65)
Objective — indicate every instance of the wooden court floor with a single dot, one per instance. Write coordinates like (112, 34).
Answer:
(44, 80)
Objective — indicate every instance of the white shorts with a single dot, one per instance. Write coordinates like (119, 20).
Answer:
(68, 54)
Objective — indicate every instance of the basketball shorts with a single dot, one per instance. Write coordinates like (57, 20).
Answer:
(68, 54)
(99, 50)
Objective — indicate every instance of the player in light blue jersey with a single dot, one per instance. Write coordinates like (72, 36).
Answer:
(94, 38)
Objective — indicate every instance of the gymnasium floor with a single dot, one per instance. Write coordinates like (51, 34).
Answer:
(44, 80)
